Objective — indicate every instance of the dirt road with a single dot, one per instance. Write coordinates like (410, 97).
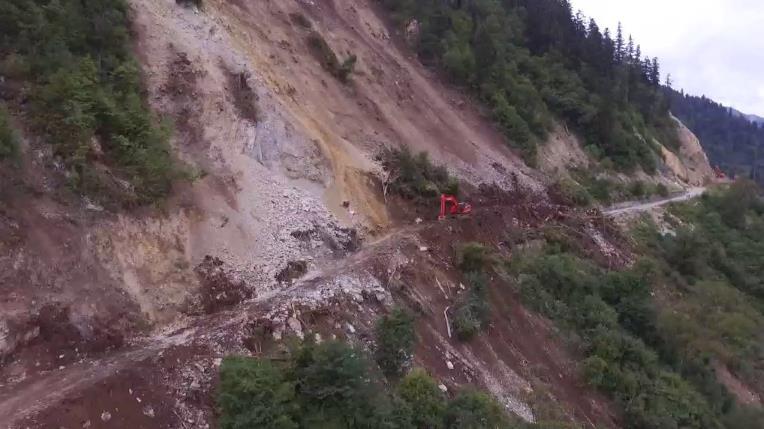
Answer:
(641, 206)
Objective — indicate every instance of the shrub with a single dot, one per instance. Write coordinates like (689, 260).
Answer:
(395, 341)
(475, 410)
(8, 138)
(638, 189)
(301, 20)
(197, 3)
(426, 401)
(472, 257)
(328, 59)
(255, 393)
(471, 312)
(570, 192)
(662, 190)
(413, 176)
(744, 417)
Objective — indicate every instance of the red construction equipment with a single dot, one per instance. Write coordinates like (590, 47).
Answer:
(456, 208)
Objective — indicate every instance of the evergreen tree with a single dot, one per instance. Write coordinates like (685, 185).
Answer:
(619, 45)
(630, 49)
(655, 74)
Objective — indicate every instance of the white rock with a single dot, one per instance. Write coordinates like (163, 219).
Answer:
(443, 388)
(423, 248)
(418, 220)
(351, 329)
(148, 411)
(296, 327)
(105, 416)
(449, 365)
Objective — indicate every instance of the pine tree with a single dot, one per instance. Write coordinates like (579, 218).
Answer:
(655, 73)
(630, 49)
(609, 45)
(619, 47)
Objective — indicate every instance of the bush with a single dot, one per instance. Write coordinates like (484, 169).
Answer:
(471, 312)
(426, 401)
(395, 341)
(328, 59)
(301, 20)
(472, 257)
(570, 192)
(8, 138)
(197, 3)
(255, 393)
(475, 410)
(662, 190)
(638, 189)
(744, 417)
(415, 177)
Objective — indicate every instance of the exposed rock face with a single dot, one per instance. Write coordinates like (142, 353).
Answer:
(691, 164)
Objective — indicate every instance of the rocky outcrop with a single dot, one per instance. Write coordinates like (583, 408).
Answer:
(690, 165)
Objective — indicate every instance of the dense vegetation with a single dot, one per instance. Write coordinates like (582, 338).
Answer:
(333, 385)
(72, 59)
(534, 60)
(731, 141)
(659, 358)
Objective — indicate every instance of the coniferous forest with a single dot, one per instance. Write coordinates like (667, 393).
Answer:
(731, 140)
(533, 61)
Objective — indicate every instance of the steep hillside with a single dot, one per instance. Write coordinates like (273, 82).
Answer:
(181, 184)
(732, 141)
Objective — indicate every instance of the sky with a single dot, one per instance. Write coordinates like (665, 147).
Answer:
(710, 47)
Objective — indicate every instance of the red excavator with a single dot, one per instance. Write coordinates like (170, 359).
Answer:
(456, 208)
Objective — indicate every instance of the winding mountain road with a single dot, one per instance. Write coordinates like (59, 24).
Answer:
(642, 206)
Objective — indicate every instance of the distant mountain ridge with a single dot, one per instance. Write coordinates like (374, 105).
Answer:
(753, 118)
(732, 139)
